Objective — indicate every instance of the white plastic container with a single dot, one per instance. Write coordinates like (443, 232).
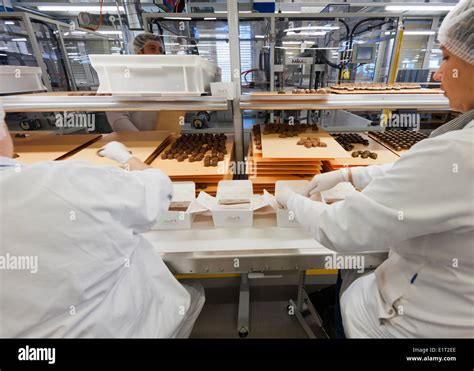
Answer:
(183, 196)
(233, 217)
(234, 207)
(154, 74)
(285, 217)
(20, 79)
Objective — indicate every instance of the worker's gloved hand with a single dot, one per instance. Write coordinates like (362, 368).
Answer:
(323, 182)
(284, 195)
(115, 151)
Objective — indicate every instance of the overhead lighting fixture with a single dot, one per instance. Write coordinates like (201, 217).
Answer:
(210, 18)
(76, 8)
(421, 32)
(428, 8)
(9, 22)
(292, 33)
(216, 36)
(110, 32)
(259, 36)
(328, 28)
(178, 18)
(19, 40)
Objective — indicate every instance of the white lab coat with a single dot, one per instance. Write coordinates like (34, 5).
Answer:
(97, 276)
(422, 211)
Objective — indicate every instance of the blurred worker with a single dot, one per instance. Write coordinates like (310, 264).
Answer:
(73, 262)
(146, 43)
(420, 209)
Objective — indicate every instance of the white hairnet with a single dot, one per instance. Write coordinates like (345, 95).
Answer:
(457, 31)
(140, 41)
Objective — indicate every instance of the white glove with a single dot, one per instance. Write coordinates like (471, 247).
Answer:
(115, 151)
(325, 181)
(284, 195)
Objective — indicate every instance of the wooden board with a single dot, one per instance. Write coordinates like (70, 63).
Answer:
(144, 145)
(401, 91)
(384, 156)
(50, 147)
(274, 147)
(192, 169)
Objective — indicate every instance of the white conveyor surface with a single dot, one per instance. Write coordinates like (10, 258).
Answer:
(264, 235)
(263, 247)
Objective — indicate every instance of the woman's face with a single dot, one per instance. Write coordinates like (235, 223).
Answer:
(457, 80)
(152, 47)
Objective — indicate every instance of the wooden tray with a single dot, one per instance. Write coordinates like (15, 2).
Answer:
(274, 147)
(144, 145)
(384, 156)
(50, 147)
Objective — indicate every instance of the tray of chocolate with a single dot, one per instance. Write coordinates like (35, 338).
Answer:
(398, 140)
(395, 88)
(316, 94)
(203, 158)
(363, 149)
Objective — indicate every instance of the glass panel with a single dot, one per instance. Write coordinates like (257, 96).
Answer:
(15, 48)
(47, 36)
(79, 45)
(413, 50)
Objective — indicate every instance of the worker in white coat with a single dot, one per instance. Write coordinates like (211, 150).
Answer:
(73, 260)
(420, 209)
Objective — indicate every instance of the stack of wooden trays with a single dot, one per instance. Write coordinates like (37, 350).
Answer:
(276, 158)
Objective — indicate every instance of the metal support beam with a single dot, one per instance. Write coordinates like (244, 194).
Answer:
(395, 57)
(243, 326)
(234, 42)
(37, 52)
(429, 45)
(304, 310)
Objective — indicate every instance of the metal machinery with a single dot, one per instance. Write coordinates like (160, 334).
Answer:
(259, 60)
(61, 51)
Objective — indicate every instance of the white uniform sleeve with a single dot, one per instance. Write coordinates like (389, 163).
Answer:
(417, 196)
(363, 175)
(120, 121)
(142, 199)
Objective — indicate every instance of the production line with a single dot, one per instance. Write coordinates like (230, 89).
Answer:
(173, 169)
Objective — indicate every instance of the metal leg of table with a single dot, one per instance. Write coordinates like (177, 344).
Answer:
(304, 310)
(243, 327)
